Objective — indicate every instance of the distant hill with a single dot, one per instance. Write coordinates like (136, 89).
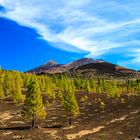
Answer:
(82, 66)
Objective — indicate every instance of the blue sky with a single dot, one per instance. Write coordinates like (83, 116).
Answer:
(33, 32)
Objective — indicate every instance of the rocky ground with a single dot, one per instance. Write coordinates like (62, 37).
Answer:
(119, 120)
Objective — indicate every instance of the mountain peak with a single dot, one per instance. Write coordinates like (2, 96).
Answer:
(85, 60)
(51, 63)
(79, 62)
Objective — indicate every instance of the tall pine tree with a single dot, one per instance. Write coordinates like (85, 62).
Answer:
(33, 108)
(17, 92)
(69, 100)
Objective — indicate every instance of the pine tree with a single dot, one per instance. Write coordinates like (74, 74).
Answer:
(8, 83)
(26, 81)
(1, 91)
(1, 87)
(89, 90)
(50, 94)
(69, 101)
(17, 93)
(138, 89)
(49, 89)
(33, 108)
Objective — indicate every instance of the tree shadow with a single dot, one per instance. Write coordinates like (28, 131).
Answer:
(54, 126)
(29, 127)
(16, 128)
(138, 138)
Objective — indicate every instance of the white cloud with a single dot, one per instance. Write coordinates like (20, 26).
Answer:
(95, 27)
(134, 57)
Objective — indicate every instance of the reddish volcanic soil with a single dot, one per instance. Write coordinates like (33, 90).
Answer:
(119, 120)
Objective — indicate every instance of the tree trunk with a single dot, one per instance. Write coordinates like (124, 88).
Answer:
(70, 121)
(33, 123)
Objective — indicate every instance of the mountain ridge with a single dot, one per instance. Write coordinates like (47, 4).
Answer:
(81, 65)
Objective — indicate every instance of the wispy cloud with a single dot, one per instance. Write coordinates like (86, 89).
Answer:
(95, 27)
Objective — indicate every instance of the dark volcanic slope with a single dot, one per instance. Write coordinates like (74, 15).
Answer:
(101, 67)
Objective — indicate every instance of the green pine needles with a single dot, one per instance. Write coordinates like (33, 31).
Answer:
(33, 108)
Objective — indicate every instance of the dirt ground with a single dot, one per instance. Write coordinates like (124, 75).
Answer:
(119, 120)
